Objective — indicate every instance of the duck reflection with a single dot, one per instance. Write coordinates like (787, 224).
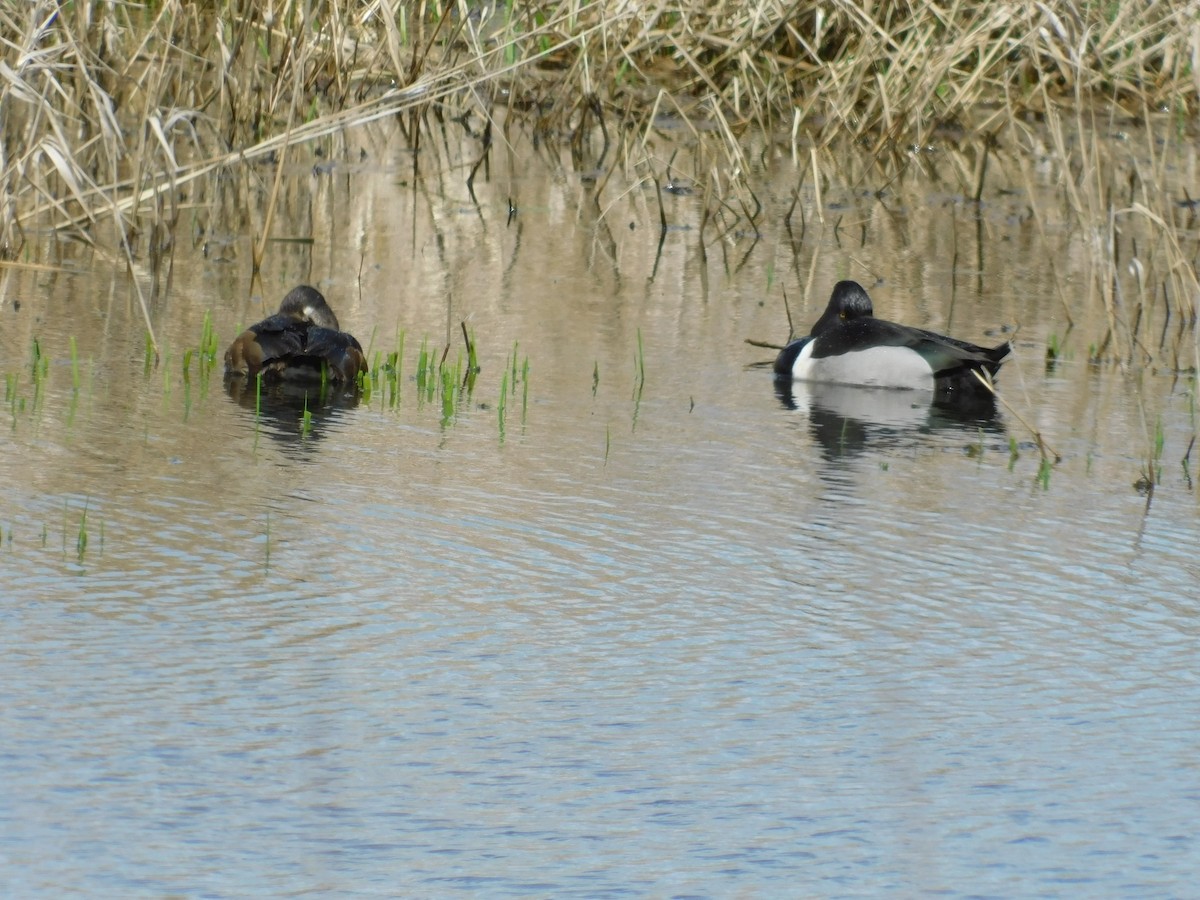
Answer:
(845, 420)
(280, 407)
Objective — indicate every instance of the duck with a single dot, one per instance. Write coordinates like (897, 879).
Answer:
(848, 345)
(302, 341)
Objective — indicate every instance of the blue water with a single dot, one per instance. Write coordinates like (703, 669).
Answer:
(681, 642)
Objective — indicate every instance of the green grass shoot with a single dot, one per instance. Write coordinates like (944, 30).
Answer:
(502, 404)
(306, 419)
(397, 364)
(1053, 349)
(74, 365)
(391, 371)
(524, 389)
(423, 364)
(1043, 474)
(148, 361)
(208, 345)
(81, 539)
(449, 393)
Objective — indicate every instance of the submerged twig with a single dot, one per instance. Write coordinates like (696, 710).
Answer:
(1044, 448)
(766, 345)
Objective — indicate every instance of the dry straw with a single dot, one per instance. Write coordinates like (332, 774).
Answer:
(108, 109)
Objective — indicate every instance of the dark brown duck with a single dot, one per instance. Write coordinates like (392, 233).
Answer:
(299, 342)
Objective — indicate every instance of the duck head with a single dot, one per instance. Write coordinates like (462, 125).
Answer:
(307, 304)
(848, 301)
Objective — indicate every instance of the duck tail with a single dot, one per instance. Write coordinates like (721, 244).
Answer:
(997, 355)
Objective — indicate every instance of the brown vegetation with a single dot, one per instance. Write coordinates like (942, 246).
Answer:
(106, 110)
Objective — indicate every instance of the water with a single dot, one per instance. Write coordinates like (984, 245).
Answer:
(697, 639)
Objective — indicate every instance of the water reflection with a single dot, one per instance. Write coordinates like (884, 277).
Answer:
(846, 419)
(297, 415)
(450, 658)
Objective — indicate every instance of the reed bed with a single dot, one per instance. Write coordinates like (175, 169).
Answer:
(108, 110)
(109, 106)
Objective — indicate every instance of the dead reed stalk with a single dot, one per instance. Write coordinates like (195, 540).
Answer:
(104, 107)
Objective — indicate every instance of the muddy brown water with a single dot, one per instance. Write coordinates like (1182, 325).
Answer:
(693, 638)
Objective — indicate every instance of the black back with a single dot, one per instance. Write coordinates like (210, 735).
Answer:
(849, 324)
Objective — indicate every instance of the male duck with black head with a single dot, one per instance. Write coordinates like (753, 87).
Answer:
(298, 343)
(848, 345)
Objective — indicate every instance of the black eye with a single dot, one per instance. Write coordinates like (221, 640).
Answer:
(842, 314)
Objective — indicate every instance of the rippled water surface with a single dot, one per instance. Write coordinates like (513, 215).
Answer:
(671, 634)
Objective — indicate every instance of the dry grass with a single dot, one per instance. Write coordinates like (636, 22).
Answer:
(108, 109)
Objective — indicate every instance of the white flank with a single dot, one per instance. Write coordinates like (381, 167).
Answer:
(894, 367)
